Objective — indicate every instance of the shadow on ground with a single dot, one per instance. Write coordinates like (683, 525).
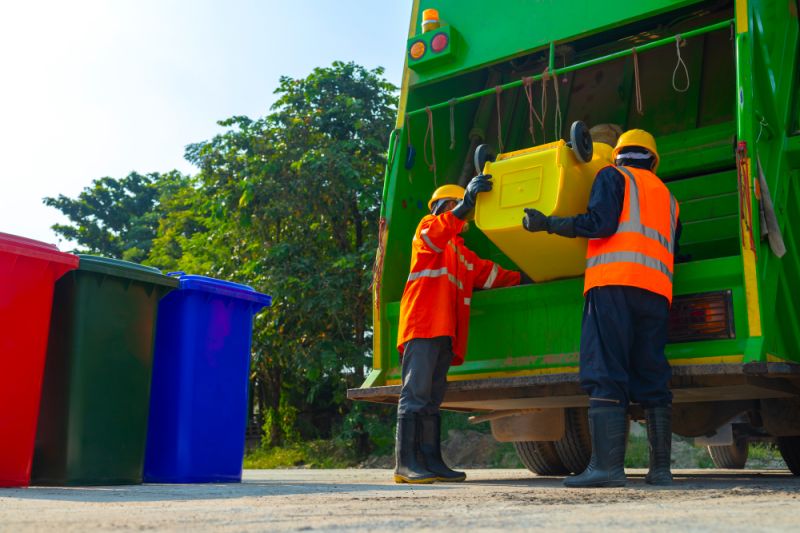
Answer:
(377, 483)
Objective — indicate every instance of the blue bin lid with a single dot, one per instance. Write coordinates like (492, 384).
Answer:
(221, 287)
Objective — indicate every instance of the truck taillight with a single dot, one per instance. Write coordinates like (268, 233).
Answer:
(704, 316)
(439, 42)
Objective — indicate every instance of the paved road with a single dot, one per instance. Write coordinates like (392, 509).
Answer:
(700, 500)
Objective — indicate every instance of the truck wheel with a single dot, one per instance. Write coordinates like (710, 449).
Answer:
(732, 456)
(790, 451)
(540, 457)
(575, 447)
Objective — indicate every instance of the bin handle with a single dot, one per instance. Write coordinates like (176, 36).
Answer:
(178, 273)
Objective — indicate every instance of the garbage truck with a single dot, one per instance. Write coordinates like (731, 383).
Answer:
(716, 83)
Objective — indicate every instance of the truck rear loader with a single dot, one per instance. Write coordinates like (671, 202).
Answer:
(716, 82)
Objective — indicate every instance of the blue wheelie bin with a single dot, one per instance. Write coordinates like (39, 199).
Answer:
(201, 366)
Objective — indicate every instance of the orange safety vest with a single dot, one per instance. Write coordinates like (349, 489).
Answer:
(641, 252)
(436, 300)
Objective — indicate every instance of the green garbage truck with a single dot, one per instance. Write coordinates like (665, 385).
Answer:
(716, 82)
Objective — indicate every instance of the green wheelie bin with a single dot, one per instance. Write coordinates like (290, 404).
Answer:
(96, 392)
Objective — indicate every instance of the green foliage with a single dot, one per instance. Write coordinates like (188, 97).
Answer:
(311, 454)
(117, 218)
(287, 203)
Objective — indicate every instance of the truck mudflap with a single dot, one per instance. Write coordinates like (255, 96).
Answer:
(690, 384)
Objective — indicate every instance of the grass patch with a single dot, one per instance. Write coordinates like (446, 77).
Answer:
(637, 453)
(312, 454)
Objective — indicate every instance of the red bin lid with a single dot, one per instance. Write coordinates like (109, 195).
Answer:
(14, 244)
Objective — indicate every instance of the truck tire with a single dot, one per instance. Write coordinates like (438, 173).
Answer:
(790, 451)
(732, 456)
(575, 447)
(540, 457)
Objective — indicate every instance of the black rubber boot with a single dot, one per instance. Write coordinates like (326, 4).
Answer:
(410, 466)
(606, 467)
(659, 436)
(431, 446)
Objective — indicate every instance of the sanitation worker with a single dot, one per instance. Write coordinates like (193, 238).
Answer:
(633, 230)
(434, 321)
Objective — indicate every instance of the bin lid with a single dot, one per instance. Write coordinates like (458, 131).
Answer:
(15, 244)
(125, 269)
(221, 287)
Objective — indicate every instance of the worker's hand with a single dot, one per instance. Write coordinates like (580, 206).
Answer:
(534, 220)
(478, 184)
(524, 279)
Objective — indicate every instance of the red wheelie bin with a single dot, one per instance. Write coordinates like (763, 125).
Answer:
(28, 272)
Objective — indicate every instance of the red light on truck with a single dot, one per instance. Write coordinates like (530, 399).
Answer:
(703, 316)
(439, 42)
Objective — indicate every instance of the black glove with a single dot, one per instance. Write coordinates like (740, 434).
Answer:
(534, 220)
(524, 279)
(479, 183)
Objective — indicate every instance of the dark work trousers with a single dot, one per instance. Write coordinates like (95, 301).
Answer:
(425, 366)
(623, 335)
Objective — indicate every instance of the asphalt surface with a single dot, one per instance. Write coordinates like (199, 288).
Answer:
(292, 500)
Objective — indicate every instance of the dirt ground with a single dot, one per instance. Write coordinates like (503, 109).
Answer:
(700, 500)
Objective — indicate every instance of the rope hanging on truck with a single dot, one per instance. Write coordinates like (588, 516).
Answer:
(545, 77)
(680, 41)
(429, 134)
(497, 91)
(558, 119)
(527, 84)
(637, 83)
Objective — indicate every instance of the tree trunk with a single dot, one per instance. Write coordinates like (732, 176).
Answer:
(276, 380)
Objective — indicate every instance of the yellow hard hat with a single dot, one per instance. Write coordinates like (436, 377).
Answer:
(455, 192)
(639, 138)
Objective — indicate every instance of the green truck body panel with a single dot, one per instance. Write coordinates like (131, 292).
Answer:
(742, 87)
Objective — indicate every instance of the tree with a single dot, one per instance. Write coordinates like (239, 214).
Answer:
(289, 203)
(117, 218)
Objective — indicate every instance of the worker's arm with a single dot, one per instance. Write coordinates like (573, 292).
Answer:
(434, 232)
(489, 275)
(601, 218)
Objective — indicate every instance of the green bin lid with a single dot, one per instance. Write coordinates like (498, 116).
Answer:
(125, 269)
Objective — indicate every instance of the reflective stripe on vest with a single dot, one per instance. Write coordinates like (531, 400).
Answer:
(461, 258)
(491, 278)
(436, 273)
(429, 242)
(629, 257)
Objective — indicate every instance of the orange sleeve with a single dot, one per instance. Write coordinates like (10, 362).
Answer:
(436, 231)
(490, 275)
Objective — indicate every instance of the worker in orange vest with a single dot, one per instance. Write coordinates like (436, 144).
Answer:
(633, 230)
(434, 323)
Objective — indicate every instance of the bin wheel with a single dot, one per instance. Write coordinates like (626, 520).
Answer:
(482, 154)
(790, 451)
(575, 447)
(581, 141)
(540, 457)
(732, 456)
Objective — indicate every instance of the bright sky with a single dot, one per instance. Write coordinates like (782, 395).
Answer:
(93, 88)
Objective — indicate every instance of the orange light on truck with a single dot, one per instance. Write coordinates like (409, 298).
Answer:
(417, 50)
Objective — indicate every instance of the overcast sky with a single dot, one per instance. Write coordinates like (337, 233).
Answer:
(93, 88)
